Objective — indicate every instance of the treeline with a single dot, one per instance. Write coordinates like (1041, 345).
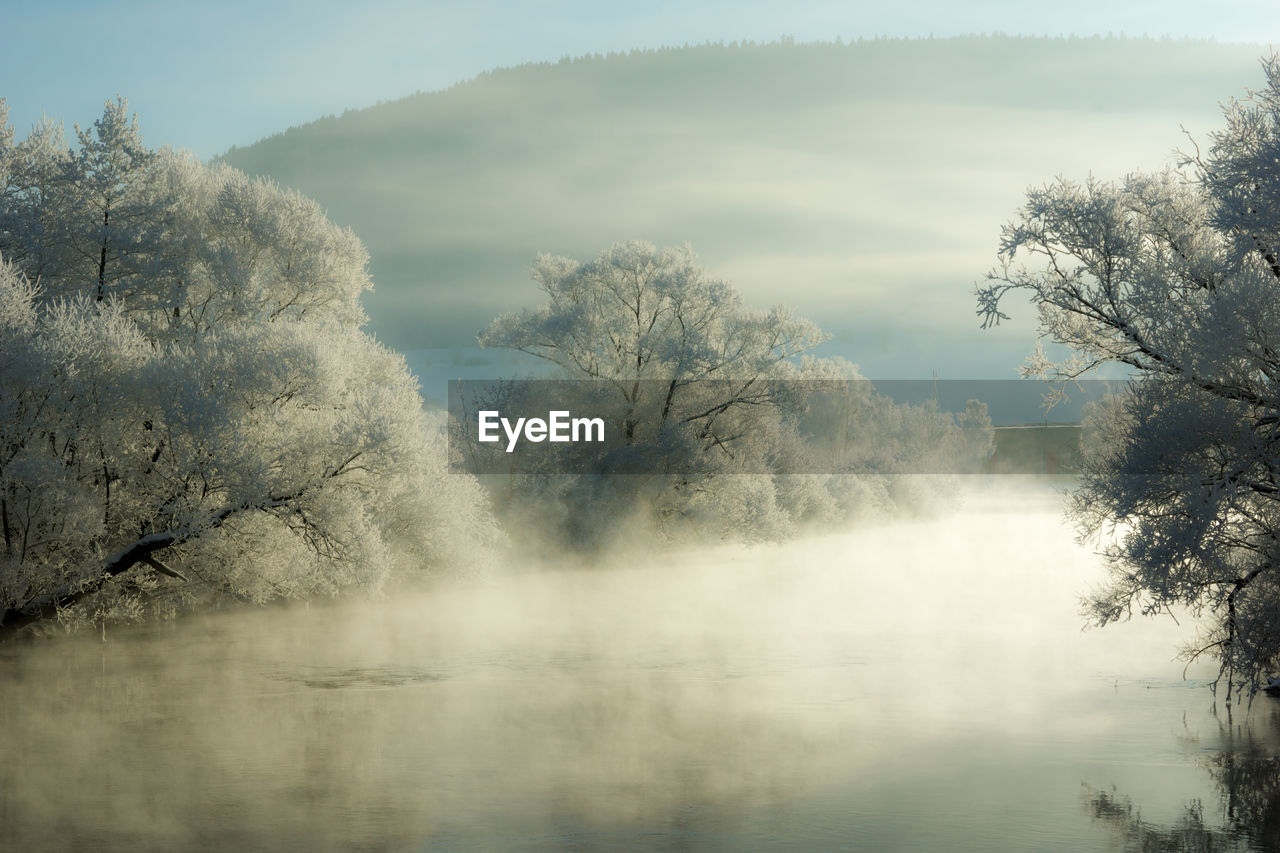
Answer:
(720, 422)
(191, 410)
(894, 50)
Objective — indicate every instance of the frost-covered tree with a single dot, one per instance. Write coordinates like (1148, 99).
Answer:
(1174, 276)
(189, 408)
(681, 369)
(708, 402)
(187, 247)
(639, 313)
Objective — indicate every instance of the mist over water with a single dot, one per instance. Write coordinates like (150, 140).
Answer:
(924, 684)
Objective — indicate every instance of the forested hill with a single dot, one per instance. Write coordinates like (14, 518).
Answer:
(864, 183)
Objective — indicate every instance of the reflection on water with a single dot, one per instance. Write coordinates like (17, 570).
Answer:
(919, 686)
(1131, 832)
(1245, 815)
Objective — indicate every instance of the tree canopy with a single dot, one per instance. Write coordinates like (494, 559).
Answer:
(1173, 275)
(189, 408)
(713, 405)
(639, 313)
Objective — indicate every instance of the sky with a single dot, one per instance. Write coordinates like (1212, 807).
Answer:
(207, 76)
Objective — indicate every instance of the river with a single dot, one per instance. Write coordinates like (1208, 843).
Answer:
(920, 685)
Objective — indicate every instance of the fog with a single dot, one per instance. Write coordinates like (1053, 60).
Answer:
(922, 682)
(863, 184)
(548, 664)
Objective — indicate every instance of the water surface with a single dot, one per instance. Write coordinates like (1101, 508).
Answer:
(923, 685)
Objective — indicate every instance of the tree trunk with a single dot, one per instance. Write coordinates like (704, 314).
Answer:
(14, 620)
(102, 254)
